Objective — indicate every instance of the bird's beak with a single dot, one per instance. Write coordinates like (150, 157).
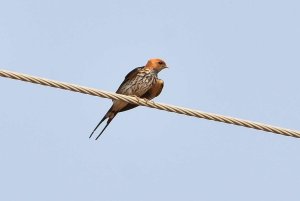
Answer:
(166, 67)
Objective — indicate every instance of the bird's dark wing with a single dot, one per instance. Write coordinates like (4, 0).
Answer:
(153, 92)
(129, 76)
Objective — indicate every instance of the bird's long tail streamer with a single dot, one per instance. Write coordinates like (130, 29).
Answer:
(98, 125)
(107, 123)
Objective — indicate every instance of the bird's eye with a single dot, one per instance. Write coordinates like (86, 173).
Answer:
(160, 62)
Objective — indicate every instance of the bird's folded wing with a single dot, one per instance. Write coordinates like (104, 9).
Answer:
(128, 77)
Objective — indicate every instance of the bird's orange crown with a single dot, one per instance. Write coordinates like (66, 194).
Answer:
(156, 64)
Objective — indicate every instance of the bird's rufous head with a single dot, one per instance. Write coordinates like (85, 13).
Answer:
(156, 64)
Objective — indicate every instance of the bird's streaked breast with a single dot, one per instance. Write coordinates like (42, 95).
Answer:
(140, 84)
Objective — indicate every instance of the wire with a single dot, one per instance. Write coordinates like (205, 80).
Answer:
(151, 104)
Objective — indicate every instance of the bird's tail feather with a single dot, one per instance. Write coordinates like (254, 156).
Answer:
(105, 117)
(107, 123)
(110, 115)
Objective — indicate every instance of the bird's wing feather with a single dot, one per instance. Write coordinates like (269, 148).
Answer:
(129, 76)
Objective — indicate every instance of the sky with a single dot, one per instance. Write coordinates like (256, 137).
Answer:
(231, 57)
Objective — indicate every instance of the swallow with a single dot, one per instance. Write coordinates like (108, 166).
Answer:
(141, 82)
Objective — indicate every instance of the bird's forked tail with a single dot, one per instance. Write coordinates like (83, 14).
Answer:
(110, 115)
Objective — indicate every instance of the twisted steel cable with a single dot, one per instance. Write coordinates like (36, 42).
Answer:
(160, 106)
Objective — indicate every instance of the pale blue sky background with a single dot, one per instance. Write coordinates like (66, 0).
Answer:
(232, 57)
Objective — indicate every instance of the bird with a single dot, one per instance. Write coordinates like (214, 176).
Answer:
(141, 82)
